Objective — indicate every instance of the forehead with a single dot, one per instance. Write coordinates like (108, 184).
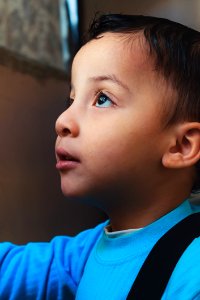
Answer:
(127, 52)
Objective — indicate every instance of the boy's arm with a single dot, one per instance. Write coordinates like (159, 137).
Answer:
(45, 270)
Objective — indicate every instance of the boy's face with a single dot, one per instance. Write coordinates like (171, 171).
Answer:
(110, 140)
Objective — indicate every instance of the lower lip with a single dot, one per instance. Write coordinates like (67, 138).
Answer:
(64, 165)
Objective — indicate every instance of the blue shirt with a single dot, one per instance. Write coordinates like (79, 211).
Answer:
(93, 266)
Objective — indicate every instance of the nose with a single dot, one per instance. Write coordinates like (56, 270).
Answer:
(66, 124)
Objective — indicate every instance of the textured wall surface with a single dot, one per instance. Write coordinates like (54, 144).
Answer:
(31, 27)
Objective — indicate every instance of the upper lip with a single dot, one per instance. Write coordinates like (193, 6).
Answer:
(61, 155)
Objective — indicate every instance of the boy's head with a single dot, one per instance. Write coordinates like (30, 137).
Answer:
(133, 124)
(175, 51)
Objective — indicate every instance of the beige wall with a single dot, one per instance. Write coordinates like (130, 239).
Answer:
(184, 11)
(32, 207)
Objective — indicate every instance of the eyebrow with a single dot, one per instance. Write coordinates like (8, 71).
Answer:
(111, 78)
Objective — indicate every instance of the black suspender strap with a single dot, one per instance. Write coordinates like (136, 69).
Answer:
(154, 274)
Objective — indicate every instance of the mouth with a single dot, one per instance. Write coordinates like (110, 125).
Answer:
(65, 160)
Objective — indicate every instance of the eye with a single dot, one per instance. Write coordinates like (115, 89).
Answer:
(102, 100)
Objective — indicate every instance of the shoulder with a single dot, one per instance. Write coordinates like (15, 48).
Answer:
(78, 246)
(71, 253)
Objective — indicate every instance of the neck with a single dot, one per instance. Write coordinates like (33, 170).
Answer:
(136, 205)
(141, 213)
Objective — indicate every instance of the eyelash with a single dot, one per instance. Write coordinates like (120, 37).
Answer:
(98, 95)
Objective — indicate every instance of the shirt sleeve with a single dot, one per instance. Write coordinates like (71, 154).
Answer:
(45, 270)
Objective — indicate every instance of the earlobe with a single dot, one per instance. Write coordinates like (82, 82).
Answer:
(184, 147)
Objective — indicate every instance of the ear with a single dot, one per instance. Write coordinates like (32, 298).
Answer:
(184, 146)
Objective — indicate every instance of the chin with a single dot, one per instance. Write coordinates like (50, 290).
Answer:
(72, 191)
(82, 196)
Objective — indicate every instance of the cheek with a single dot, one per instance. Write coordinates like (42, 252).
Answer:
(111, 148)
(119, 142)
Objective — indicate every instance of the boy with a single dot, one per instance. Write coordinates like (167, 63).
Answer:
(129, 143)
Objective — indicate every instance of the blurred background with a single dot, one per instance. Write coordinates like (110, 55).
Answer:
(37, 42)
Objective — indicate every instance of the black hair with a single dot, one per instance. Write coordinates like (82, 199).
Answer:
(176, 52)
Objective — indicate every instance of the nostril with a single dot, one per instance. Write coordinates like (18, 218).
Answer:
(65, 131)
